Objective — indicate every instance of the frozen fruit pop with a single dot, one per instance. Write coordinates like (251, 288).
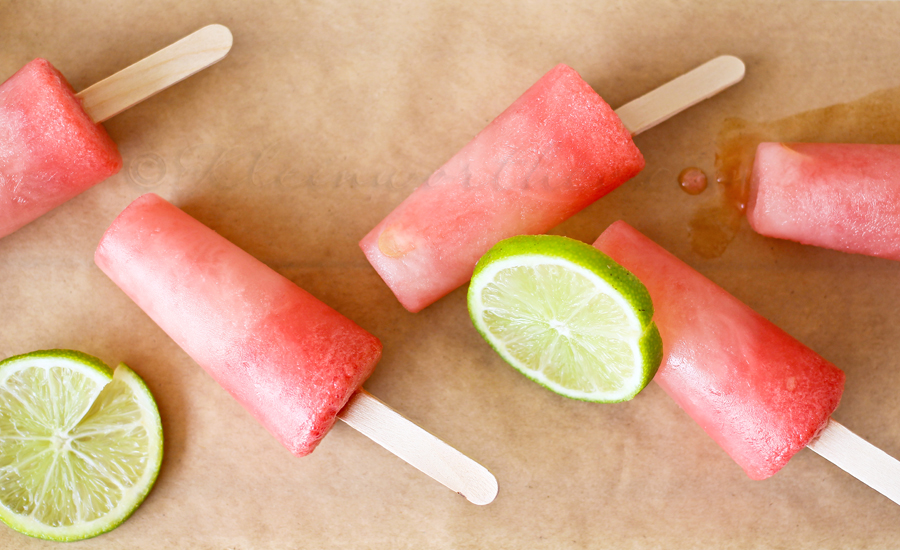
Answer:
(761, 394)
(840, 196)
(52, 146)
(557, 149)
(293, 362)
(758, 392)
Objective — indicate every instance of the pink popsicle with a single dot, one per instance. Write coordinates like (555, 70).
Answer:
(291, 360)
(554, 151)
(52, 146)
(840, 196)
(758, 392)
(50, 149)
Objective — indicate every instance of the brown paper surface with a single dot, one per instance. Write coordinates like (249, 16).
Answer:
(324, 116)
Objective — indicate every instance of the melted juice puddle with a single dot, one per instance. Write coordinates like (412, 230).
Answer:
(874, 118)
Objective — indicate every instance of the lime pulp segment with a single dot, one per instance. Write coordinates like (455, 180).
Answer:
(80, 445)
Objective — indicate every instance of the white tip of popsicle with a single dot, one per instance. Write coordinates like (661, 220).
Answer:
(685, 91)
(155, 73)
(431, 456)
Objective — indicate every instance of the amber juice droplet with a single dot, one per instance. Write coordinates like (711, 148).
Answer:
(692, 181)
(874, 118)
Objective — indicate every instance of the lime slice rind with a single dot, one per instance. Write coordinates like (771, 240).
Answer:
(567, 317)
(73, 466)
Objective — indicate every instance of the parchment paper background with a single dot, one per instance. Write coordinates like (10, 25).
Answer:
(324, 117)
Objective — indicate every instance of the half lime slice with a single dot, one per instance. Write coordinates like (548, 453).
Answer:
(80, 445)
(567, 316)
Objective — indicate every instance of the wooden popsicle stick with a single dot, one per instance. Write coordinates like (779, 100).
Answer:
(371, 417)
(859, 458)
(677, 95)
(155, 73)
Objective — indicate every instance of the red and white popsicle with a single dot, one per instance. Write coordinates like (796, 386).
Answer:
(293, 362)
(554, 151)
(52, 145)
(758, 392)
(840, 196)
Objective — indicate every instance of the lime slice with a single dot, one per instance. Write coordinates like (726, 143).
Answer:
(567, 316)
(80, 445)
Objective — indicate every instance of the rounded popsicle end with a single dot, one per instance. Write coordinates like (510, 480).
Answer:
(731, 66)
(485, 491)
(219, 36)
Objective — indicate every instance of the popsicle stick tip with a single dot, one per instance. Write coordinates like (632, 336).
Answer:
(486, 492)
(731, 65)
(685, 91)
(156, 72)
(218, 35)
(859, 458)
(431, 456)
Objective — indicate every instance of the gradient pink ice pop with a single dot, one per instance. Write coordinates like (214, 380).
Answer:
(840, 196)
(50, 149)
(288, 358)
(758, 392)
(557, 149)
